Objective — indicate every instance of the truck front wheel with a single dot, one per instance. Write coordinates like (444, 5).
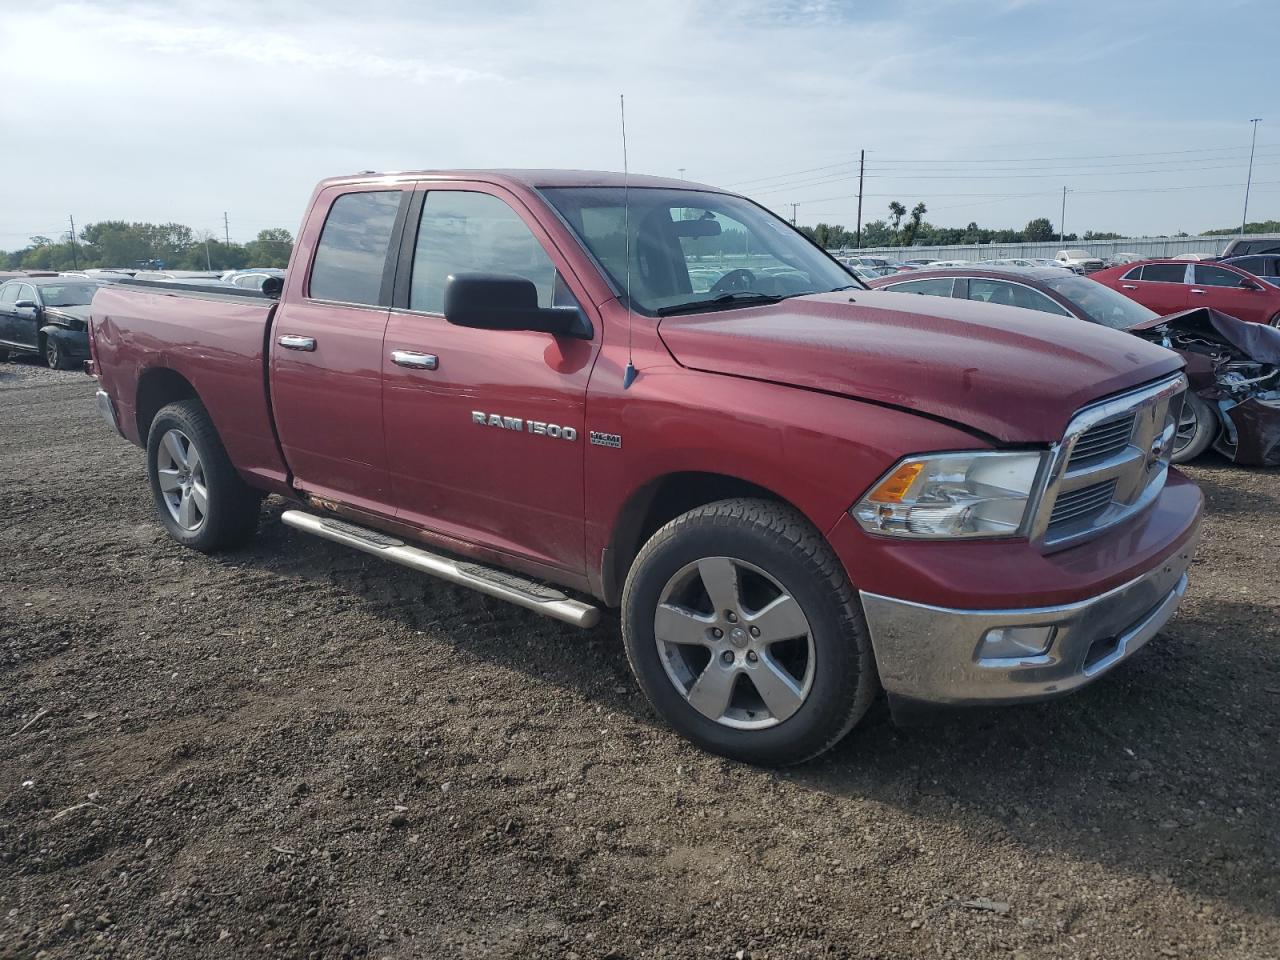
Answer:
(199, 497)
(745, 633)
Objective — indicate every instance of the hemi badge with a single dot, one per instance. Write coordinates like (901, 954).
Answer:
(613, 440)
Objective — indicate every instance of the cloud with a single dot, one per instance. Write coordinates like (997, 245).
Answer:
(168, 112)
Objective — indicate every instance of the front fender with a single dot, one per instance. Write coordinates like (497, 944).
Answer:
(75, 343)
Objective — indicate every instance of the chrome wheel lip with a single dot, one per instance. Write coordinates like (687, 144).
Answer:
(751, 656)
(181, 478)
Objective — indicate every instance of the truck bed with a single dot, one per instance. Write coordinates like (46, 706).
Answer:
(215, 339)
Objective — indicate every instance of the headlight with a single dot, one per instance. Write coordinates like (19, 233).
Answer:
(947, 495)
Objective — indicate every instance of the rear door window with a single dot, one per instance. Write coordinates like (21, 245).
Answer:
(932, 287)
(9, 294)
(1165, 272)
(1207, 276)
(352, 253)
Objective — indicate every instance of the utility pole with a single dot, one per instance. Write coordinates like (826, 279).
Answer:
(1062, 222)
(793, 213)
(208, 260)
(226, 227)
(1249, 179)
(75, 259)
(862, 162)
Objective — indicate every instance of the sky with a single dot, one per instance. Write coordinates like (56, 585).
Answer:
(185, 110)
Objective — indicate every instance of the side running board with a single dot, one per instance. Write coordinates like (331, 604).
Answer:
(511, 587)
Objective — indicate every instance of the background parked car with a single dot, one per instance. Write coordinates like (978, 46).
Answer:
(1167, 286)
(1008, 262)
(1263, 265)
(46, 316)
(182, 276)
(252, 279)
(1120, 259)
(1241, 246)
(1234, 400)
(1079, 261)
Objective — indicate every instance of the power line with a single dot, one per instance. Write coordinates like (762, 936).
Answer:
(1002, 159)
(914, 177)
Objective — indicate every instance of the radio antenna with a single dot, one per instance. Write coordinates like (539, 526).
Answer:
(629, 375)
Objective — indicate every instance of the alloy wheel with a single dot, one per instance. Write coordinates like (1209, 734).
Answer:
(180, 472)
(1188, 424)
(735, 643)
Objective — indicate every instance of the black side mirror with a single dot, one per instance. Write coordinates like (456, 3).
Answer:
(1248, 284)
(494, 301)
(25, 305)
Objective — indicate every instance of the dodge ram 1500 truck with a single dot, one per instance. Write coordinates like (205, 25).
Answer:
(572, 392)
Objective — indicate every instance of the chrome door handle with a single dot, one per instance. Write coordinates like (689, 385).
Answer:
(290, 342)
(1194, 290)
(1127, 286)
(415, 360)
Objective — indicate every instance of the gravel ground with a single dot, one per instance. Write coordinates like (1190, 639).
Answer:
(295, 750)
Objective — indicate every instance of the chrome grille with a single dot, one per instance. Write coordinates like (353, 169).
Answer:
(1081, 506)
(1111, 464)
(1105, 440)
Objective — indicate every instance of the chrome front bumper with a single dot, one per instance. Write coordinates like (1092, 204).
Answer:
(107, 410)
(934, 654)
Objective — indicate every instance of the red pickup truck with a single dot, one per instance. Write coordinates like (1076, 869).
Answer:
(574, 392)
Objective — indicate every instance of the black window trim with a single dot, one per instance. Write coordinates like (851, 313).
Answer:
(407, 192)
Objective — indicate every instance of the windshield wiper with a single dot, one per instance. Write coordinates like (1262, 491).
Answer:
(725, 299)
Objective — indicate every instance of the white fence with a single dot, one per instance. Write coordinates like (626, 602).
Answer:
(1145, 247)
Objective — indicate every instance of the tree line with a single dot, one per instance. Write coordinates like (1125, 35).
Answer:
(116, 243)
(903, 229)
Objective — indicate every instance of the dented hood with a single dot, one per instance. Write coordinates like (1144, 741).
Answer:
(1016, 375)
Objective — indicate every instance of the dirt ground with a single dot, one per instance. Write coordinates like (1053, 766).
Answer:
(296, 750)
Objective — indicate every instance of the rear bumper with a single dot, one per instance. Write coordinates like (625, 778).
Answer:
(935, 654)
(108, 410)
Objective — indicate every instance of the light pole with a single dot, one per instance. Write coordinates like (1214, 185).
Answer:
(1244, 219)
(680, 170)
(1062, 221)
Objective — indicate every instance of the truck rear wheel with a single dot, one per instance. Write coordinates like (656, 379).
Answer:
(745, 633)
(199, 497)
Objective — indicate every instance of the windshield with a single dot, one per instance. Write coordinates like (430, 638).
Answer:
(67, 294)
(693, 249)
(1101, 304)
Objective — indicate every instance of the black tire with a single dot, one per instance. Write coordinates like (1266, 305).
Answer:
(1187, 445)
(54, 355)
(231, 509)
(786, 549)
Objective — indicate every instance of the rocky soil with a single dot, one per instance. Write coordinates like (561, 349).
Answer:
(294, 750)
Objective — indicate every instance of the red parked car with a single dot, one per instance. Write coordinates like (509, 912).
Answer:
(571, 391)
(1168, 286)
